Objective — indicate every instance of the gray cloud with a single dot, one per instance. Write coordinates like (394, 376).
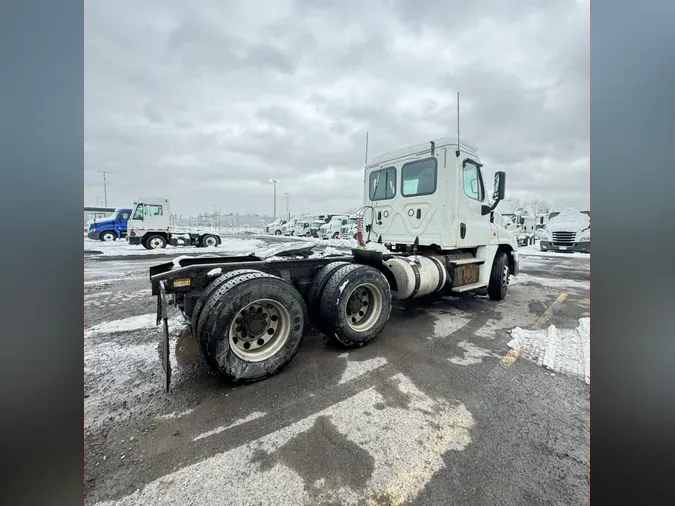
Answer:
(205, 105)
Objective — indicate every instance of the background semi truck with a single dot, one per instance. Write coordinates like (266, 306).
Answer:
(110, 228)
(567, 230)
(151, 226)
(427, 213)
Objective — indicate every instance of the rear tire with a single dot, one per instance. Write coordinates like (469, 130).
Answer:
(499, 277)
(155, 242)
(336, 235)
(212, 294)
(255, 328)
(209, 241)
(355, 305)
(210, 288)
(316, 290)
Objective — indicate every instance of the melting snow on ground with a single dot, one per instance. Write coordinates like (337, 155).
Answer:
(534, 251)
(571, 284)
(561, 350)
(115, 248)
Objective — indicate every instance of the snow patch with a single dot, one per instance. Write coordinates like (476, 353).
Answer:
(249, 418)
(123, 248)
(175, 415)
(214, 272)
(560, 350)
(534, 251)
(527, 279)
(124, 325)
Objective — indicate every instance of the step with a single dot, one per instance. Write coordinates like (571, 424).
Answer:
(470, 286)
(464, 261)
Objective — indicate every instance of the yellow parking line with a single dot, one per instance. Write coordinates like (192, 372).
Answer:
(539, 322)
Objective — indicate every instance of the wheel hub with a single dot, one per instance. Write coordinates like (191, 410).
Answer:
(259, 330)
(363, 307)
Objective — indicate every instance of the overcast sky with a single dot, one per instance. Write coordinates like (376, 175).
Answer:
(204, 101)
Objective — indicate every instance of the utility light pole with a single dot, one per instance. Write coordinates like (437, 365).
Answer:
(105, 187)
(288, 203)
(274, 183)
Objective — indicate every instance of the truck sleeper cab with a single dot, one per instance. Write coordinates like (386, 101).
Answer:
(426, 204)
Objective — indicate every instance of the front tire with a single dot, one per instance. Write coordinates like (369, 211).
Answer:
(253, 326)
(499, 277)
(155, 242)
(336, 235)
(277, 232)
(107, 236)
(355, 305)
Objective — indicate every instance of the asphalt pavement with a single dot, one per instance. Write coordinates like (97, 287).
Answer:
(437, 410)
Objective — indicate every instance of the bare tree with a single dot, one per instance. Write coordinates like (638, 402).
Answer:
(541, 206)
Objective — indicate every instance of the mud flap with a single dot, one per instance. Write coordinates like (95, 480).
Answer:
(162, 317)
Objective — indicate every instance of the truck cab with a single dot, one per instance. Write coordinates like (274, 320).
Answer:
(331, 230)
(110, 228)
(568, 230)
(302, 228)
(433, 197)
(151, 225)
(348, 228)
(276, 227)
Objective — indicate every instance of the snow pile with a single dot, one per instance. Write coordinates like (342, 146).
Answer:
(534, 251)
(567, 351)
(222, 230)
(123, 248)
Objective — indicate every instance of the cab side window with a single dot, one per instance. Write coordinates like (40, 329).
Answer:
(473, 183)
(154, 210)
(124, 216)
(382, 184)
(419, 177)
(139, 212)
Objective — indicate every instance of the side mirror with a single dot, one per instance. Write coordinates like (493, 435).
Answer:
(499, 186)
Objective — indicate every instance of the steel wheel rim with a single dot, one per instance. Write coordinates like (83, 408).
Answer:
(210, 241)
(107, 237)
(506, 275)
(259, 330)
(363, 308)
(155, 243)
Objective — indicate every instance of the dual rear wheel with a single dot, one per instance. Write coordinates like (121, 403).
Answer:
(249, 324)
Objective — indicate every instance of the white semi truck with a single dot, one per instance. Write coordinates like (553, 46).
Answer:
(568, 230)
(151, 226)
(426, 206)
(331, 230)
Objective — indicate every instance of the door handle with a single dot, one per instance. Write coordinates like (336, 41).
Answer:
(419, 214)
(462, 230)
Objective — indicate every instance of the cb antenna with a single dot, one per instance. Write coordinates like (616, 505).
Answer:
(366, 162)
(457, 152)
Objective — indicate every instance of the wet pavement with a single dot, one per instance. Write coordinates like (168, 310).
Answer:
(434, 411)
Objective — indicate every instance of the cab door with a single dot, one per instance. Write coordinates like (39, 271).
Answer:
(475, 228)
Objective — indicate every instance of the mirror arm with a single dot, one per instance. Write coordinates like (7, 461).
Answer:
(488, 209)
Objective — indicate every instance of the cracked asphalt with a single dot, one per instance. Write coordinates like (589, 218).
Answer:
(429, 413)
